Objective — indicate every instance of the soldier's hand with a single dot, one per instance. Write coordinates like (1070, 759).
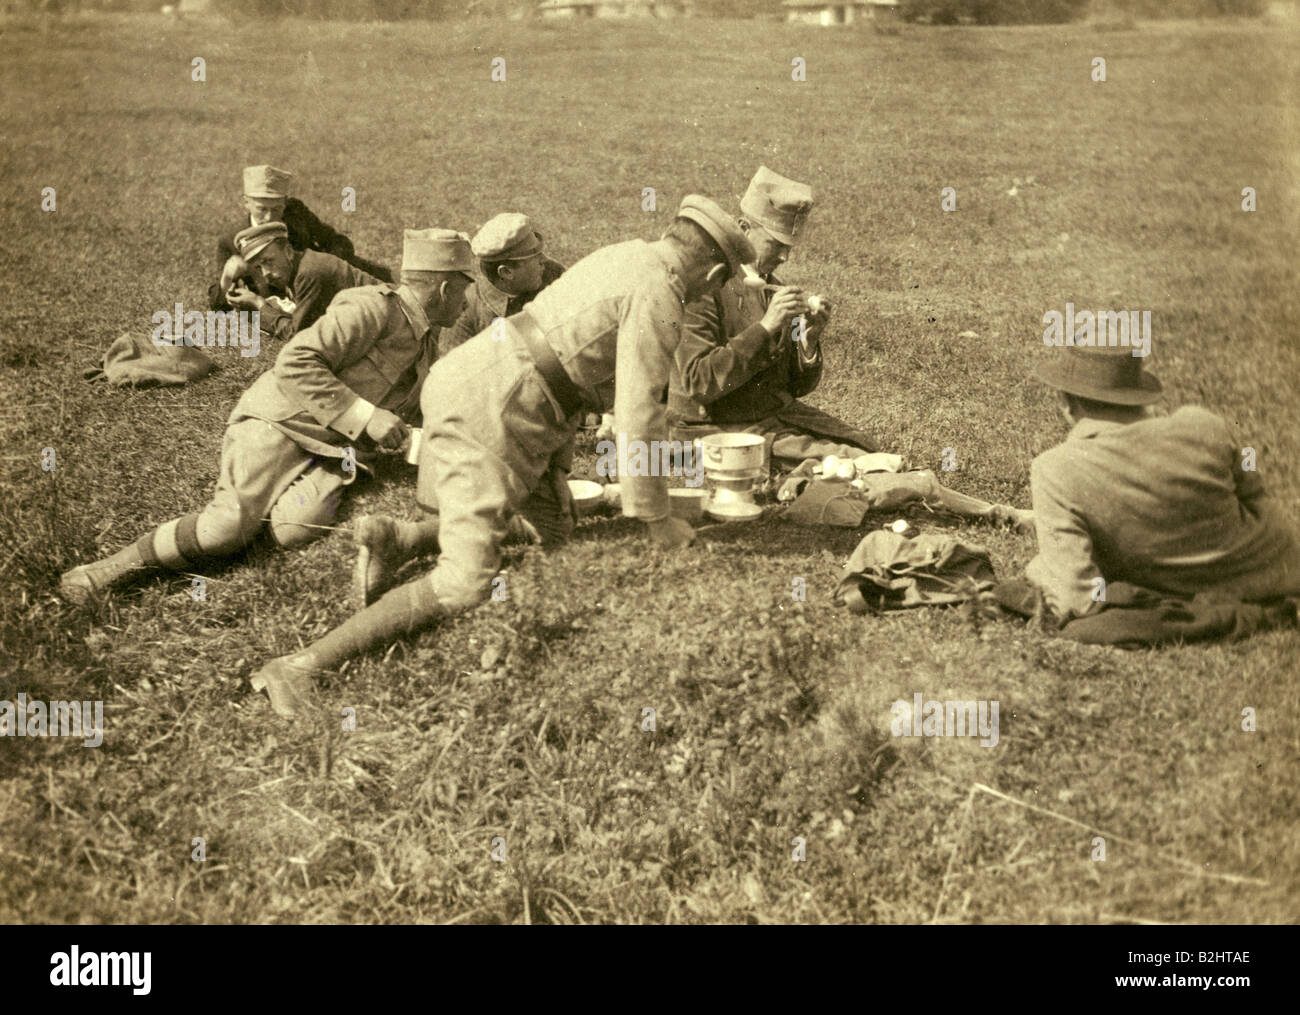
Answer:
(787, 302)
(244, 299)
(520, 530)
(386, 429)
(670, 533)
(234, 269)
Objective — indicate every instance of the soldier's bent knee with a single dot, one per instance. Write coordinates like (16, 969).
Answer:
(220, 534)
(456, 596)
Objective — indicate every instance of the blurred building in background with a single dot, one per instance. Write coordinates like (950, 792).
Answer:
(614, 8)
(837, 12)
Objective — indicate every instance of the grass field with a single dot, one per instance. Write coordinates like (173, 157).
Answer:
(522, 720)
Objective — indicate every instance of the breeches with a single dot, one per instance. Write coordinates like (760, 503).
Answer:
(267, 478)
(491, 436)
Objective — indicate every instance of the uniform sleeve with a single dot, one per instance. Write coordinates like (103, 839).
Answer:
(708, 364)
(313, 291)
(318, 235)
(308, 365)
(1064, 568)
(649, 330)
(277, 323)
(806, 368)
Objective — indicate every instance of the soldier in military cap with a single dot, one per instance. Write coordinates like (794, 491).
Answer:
(740, 365)
(339, 391)
(513, 268)
(500, 406)
(300, 283)
(266, 199)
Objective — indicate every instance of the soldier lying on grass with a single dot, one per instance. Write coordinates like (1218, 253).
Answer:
(1164, 503)
(298, 284)
(266, 199)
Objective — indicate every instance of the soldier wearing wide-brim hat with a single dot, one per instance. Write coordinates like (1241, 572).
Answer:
(1169, 503)
(500, 407)
(266, 198)
(298, 284)
(739, 367)
(339, 391)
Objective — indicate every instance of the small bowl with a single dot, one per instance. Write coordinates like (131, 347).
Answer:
(687, 504)
(587, 495)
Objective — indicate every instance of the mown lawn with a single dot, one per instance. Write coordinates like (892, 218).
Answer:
(523, 720)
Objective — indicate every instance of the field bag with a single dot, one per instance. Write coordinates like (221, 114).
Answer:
(889, 571)
(835, 502)
(134, 360)
(1137, 617)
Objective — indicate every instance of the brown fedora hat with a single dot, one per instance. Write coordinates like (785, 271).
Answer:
(1108, 375)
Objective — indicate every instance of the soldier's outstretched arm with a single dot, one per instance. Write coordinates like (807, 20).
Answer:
(650, 327)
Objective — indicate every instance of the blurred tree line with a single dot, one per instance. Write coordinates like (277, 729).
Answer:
(1022, 12)
(935, 12)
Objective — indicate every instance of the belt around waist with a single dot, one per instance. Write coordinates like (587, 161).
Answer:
(534, 343)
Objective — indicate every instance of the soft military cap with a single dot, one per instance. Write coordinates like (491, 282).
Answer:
(507, 237)
(252, 241)
(778, 204)
(726, 233)
(437, 250)
(266, 181)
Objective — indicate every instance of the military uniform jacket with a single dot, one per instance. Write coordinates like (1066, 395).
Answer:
(618, 313)
(317, 280)
(372, 348)
(306, 232)
(484, 303)
(727, 368)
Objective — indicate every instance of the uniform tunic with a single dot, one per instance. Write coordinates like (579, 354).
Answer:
(491, 425)
(729, 374)
(291, 428)
(1162, 503)
(485, 303)
(317, 279)
(306, 232)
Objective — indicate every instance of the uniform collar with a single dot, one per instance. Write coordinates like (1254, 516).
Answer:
(1090, 427)
(671, 258)
(497, 300)
(414, 313)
